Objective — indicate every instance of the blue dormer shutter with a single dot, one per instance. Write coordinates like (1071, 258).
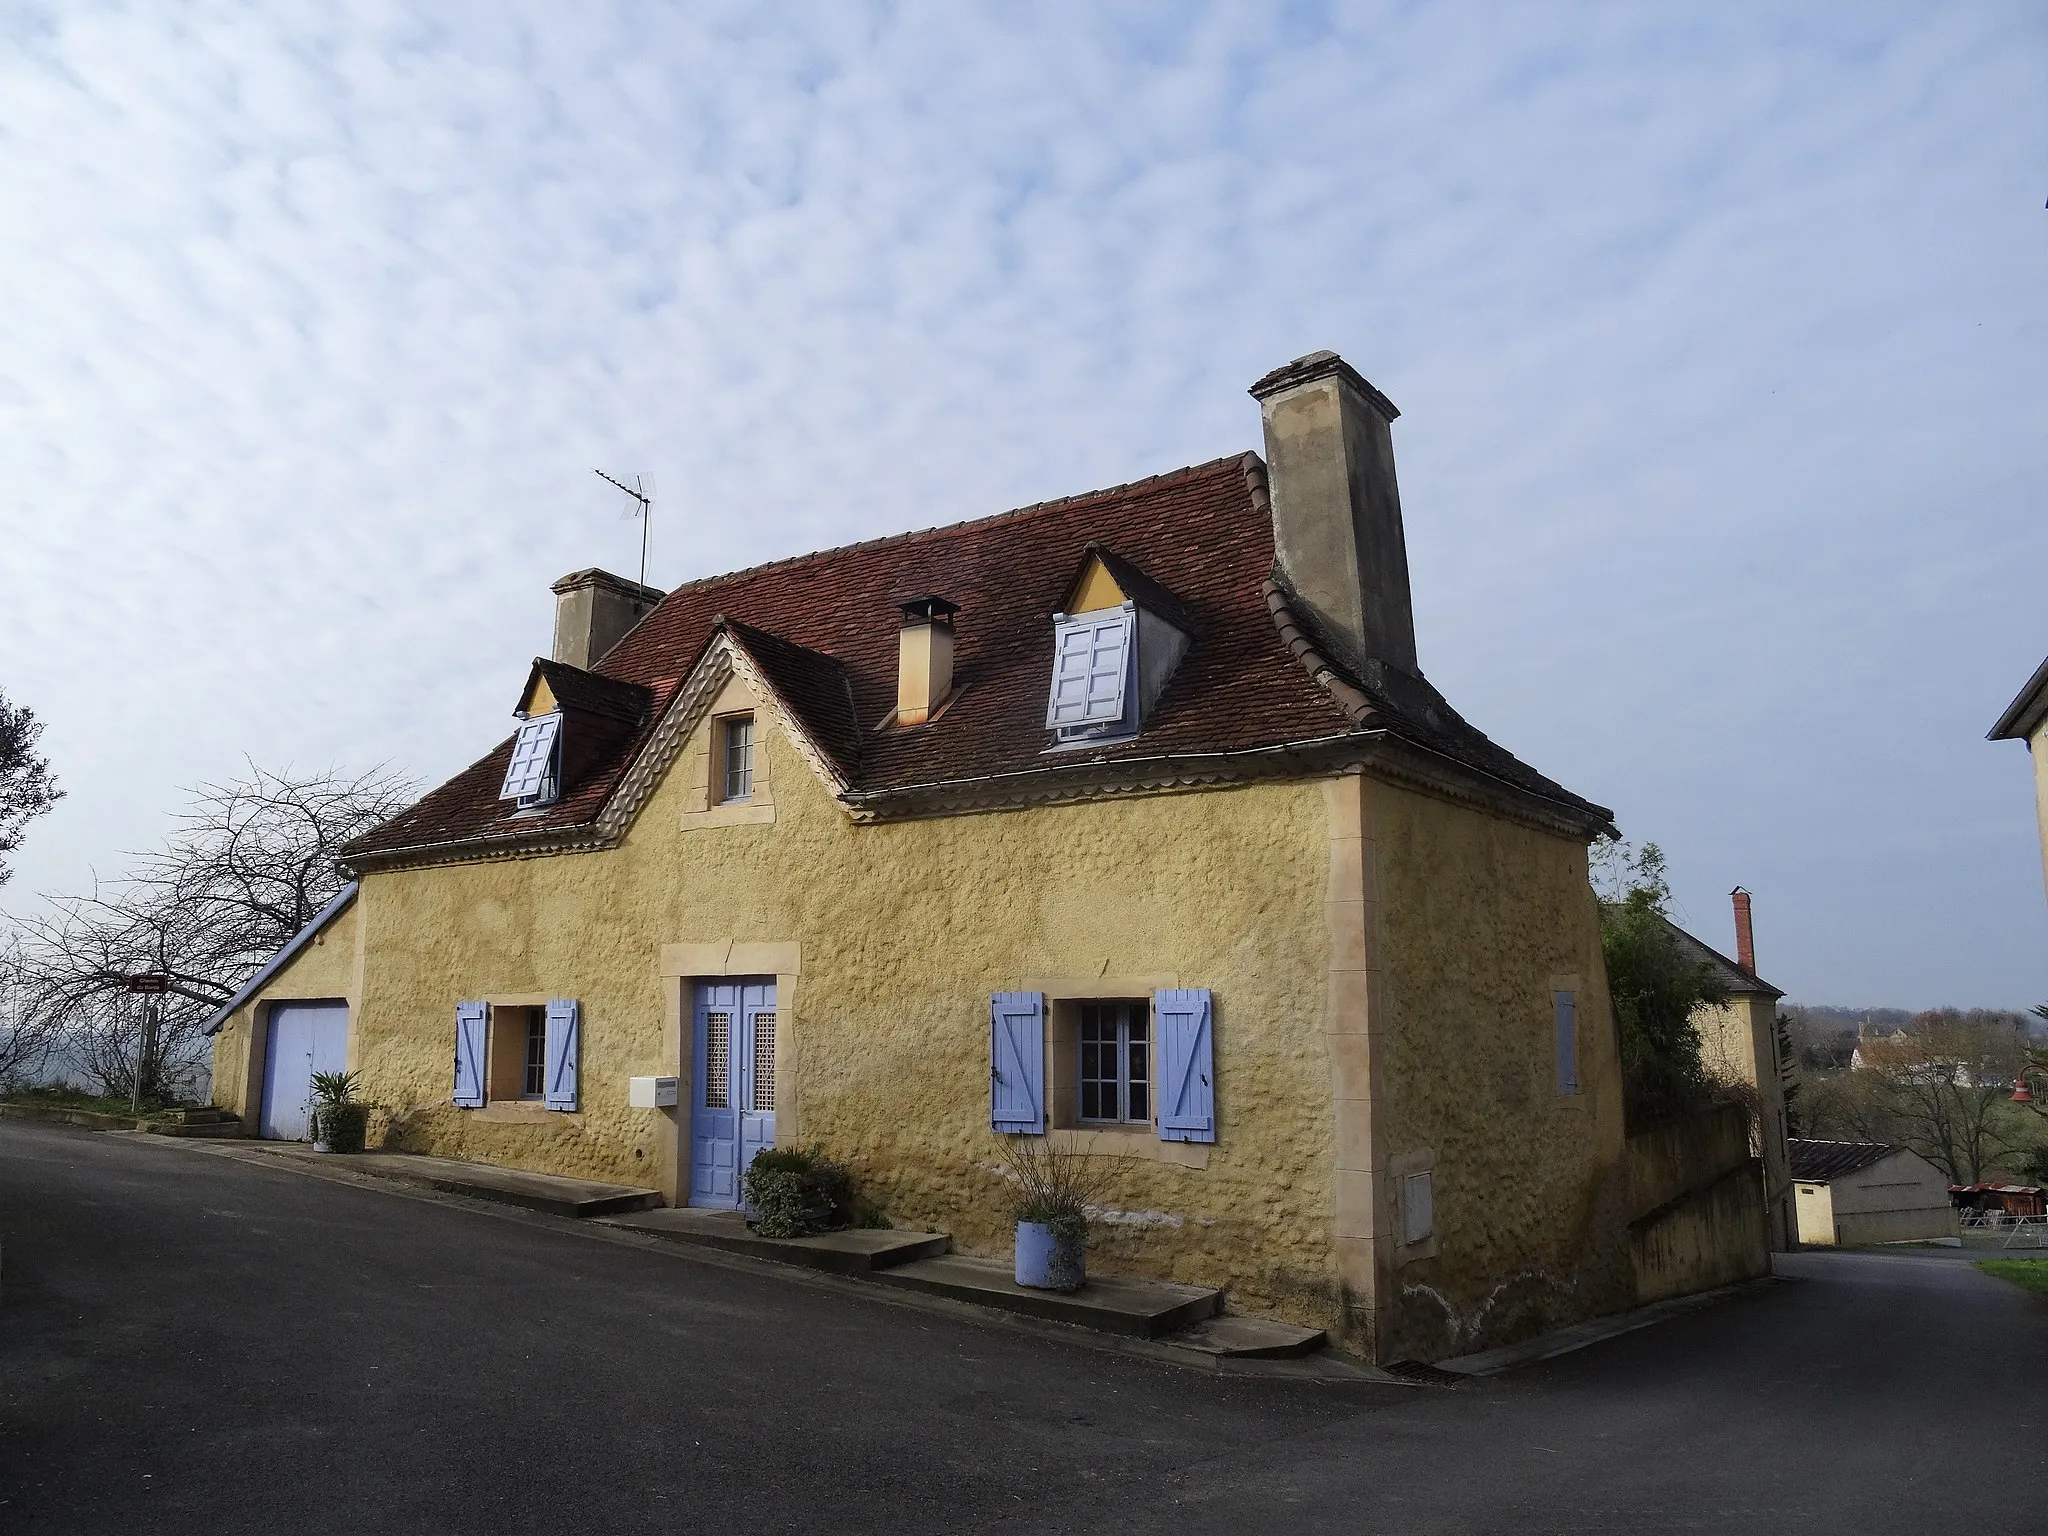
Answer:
(1090, 669)
(1564, 1011)
(1187, 1068)
(562, 1030)
(470, 1019)
(530, 776)
(1016, 1074)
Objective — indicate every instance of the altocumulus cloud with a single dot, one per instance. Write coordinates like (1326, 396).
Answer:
(1717, 331)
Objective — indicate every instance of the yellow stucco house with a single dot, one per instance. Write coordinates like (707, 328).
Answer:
(2026, 719)
(1126, 821)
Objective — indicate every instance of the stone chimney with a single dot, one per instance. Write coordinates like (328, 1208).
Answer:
(1336, 507)
(924, 659)
(1745, 941)
(593, 612)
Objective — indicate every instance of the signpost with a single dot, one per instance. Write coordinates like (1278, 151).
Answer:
(148, 986)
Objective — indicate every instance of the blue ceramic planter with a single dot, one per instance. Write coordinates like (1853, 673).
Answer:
(1046, 1262)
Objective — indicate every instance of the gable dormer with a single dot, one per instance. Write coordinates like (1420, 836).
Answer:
(570, 721)
(1116, 641)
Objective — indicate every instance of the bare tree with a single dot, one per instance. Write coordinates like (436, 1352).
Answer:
(247, 866)
(1941, 1086)
(26, 787)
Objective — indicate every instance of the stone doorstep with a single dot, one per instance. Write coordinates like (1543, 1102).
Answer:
(1143, 1309)
(858, 1251)
(548, 1192)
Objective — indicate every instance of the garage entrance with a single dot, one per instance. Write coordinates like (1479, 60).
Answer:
(304, 1038)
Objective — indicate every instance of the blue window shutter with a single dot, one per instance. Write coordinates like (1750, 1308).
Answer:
(1091, 669)
(563, 1021)
(1565, 1014)
(1016, 1081)
(1187, 1064)
(469, 1054)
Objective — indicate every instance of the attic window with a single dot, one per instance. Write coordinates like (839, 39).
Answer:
(531, 777)
(1091, 674)
(1116, 643)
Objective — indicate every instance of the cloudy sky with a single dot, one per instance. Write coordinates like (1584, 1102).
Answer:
(1719, 334)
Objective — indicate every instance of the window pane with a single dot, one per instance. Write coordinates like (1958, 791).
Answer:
(1098, 1063)
(1138, 1066)
(718, 1061)
(764, 1061)
(536, 1053)
(739, 757)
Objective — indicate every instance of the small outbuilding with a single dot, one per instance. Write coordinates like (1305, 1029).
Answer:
(1849, 1194)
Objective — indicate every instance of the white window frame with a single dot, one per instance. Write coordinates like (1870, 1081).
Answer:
(1091, 718)
(725, 744)
(533, 776)
(1134, 1017)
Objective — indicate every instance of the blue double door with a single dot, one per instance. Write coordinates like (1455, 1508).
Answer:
(304, 1038)
(732, 1109)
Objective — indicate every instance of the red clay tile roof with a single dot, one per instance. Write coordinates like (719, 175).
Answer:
(822, 628)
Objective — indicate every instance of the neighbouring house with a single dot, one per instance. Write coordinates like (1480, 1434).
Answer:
(1127, 821)
(2026, 719)
(1852, 1193)
(1740, 1047)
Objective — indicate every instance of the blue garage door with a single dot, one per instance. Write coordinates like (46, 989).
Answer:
(304, 1038)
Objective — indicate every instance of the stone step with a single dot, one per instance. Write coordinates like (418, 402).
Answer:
(480, 1181)
(219, 1127)
(1144, 1309)
(857, 1251)
(1249, 1338)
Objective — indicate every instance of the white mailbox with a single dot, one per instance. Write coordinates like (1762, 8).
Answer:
(652, 1093)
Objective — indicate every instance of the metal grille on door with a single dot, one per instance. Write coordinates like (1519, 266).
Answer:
(718, 1061)
(764, 1061)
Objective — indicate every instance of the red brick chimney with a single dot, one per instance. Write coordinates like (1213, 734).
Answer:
(1745, 941)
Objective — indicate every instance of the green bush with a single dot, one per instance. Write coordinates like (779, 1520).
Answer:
(342, 1125)
(795, 1191)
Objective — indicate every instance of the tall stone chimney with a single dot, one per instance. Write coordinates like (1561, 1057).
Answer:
(1336, 507)
(1745, 941)
(593, 612)
(924, 658)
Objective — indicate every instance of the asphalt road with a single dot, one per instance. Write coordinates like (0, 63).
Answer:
(190, 1343)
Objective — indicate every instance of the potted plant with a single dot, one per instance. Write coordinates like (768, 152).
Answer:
(1053, 1188)
(339, 1117)
(795, 1191)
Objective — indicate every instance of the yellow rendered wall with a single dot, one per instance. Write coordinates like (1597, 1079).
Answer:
(1816, 1211)
(2037, 747)
(1097, 589)
(1739, 1048)
(903, 932)
(1479, 921)
(325, 968)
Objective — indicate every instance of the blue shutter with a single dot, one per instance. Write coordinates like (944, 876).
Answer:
(529, 772)
(1187, 1065)
(1565, 1014)
(1016, 1073)
(561, 1053)
(469, 1054)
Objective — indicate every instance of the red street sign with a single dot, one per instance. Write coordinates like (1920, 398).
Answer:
(153, 985)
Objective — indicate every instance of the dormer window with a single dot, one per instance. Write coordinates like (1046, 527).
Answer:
(533, 777)
(1093, 659)
(1116, 643)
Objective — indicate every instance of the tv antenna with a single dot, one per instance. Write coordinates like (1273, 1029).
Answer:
(642, 492)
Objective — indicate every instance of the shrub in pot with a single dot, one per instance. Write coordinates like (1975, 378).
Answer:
(1053, 1189)
(795, 1191)
(339, 1117)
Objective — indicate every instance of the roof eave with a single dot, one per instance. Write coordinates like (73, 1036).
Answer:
(285, 955)
(2024, 715)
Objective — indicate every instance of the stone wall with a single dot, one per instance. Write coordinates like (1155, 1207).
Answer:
(1696, 1201)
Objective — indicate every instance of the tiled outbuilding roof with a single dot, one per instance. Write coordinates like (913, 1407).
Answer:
(822, 630)
(1816, 1162)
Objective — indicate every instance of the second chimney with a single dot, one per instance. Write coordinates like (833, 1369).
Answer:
(1336, 508)
(1745, 941)
(594, 610)
(924, 659)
